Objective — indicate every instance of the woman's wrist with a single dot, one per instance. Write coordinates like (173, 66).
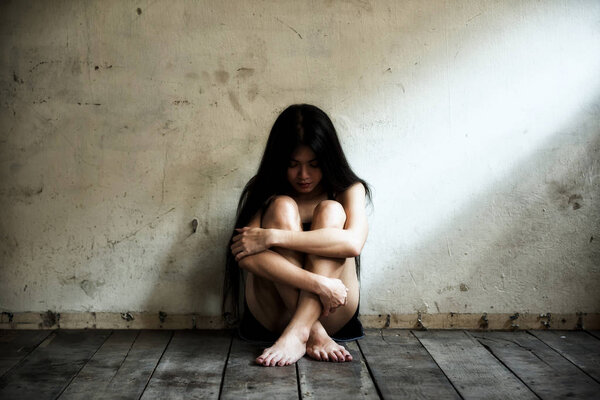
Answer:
(277, 238)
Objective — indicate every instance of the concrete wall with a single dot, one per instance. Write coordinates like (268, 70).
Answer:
(476, 122)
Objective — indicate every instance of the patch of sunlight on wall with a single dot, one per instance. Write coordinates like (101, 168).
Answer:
(505, 98)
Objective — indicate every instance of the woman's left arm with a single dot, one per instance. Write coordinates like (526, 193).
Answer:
(326, 242)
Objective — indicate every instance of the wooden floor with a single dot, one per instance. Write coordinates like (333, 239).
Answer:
(133, 364)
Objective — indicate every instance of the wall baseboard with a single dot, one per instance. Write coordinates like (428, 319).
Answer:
(161, 320)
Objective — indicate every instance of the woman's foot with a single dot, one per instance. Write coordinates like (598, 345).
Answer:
(288, 349)
(321, 347)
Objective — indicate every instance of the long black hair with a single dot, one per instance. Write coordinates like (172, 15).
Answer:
(299, 124)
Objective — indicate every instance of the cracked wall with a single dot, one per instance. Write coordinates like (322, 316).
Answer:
(476, 123)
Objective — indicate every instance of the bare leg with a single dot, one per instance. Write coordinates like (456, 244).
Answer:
(304, 326)
(274, 303)
(320, 346)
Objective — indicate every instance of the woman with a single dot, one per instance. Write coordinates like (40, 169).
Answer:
(301, 225)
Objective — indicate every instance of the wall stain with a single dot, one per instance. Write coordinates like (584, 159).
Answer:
(17, 79)
(463, 287)
(15, 167)
(222, 76)
(192, 75)
(566, 195)
(25, 191)
(49, 318)
(138, 11)
(252, 92)
(245, 72)
(90, 288)
(575, 201)
(236, 104)
(181, 102)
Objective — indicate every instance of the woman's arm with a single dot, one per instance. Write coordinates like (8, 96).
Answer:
(327, 242)
(273, 266)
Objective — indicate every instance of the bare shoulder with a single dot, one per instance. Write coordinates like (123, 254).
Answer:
(356, 192)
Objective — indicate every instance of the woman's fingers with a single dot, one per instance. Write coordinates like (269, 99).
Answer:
(240, 231)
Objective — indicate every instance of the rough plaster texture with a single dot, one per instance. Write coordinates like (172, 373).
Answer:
(476, 122)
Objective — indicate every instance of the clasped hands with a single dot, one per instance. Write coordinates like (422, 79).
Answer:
(250, 241)
(332, 292)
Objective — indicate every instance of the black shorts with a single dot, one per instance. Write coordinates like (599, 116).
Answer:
(251, 330)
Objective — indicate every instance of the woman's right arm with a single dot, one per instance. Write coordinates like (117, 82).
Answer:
(274, 267)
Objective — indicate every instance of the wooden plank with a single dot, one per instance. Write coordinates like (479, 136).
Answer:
(17, 344)
(102, 367)
(137, 368)
(192, 366)
(51, 366)
(329, 380)
(244, 379)
(402, 368)
(580, 348)
(473, 371)
(541, 368)
(595, 334)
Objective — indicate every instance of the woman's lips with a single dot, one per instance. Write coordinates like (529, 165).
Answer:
(304, 185)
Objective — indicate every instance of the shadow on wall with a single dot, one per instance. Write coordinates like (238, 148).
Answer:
(532, 238)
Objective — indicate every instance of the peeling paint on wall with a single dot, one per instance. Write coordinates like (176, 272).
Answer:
(123, 124)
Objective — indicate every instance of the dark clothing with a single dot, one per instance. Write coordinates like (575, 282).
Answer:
(253, 331)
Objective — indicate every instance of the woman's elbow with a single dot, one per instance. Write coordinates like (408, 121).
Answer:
(354, 249)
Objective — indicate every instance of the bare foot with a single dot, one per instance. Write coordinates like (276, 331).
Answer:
(321, 347)
(288, 349)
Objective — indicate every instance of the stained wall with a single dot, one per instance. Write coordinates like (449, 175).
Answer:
(477, 124)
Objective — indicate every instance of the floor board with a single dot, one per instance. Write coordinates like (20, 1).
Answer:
(388, 364)
(347, 380)
(99, 371)
(192, 366)
(134, 373)
(542, 369)
(596, 334)
(16, 345)
(475, 372)
(244, 379)
(48, 369)
(581, 348)
(402, 368)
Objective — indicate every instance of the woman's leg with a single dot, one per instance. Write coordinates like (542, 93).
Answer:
(320, 346)
(304, 322)
(273, 304)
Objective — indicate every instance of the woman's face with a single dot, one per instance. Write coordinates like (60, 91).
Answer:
(304, 172)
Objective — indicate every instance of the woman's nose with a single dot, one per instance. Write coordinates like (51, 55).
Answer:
(303, 172)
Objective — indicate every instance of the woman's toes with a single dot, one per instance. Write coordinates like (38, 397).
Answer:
(324, 355)
(333, 356)
(339, 356)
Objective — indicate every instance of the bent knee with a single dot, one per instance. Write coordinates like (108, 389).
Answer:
(282, 212)
(329, 213)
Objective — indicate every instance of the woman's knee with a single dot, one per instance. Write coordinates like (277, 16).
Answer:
(329, 213)
(283, 213)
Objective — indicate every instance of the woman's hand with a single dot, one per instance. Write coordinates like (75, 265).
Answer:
(250, 241)
(333, 294)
